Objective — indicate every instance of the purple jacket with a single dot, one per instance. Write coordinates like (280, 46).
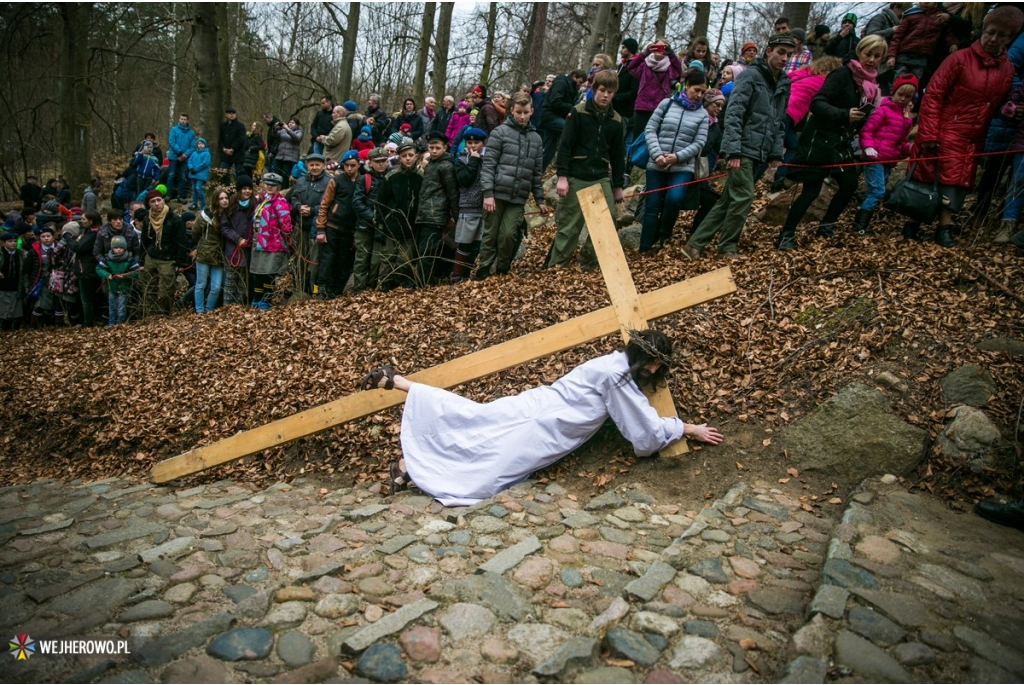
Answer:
(654, 87)
(234, 229)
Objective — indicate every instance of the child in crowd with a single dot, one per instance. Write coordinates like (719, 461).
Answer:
(458, 121)
(883, 140)
(13, 281)
(916, 39)
(117, 269)
(368, 235)
(39, 255)
(364, 141)
(397, 205)
(591, 143)
(511, 169)
(470, 225)
(439, 206)
(199, 173)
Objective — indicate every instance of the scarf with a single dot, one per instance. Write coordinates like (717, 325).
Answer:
(681, 98)
(156, 222)
(865, 81)
(657, 65)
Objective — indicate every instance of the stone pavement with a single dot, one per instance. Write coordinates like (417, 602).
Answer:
(302, 583)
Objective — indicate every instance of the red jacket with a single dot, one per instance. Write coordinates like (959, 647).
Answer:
(964, 94)
(886, 130)
(917, 34)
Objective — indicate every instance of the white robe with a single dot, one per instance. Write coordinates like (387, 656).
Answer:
(461, 452)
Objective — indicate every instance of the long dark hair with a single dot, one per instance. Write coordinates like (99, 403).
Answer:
(643, 348)
(233, 206)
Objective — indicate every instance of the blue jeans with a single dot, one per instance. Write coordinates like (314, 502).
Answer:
(1015, 192)
(875, 176)
(318, 148)
(117, 304)
(661, 209)
(237, 167)
(215, 275)
(177, 178)
(198, 194)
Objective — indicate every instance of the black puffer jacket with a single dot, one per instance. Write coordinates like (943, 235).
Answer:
(592, 140)
(398, 201)
(439, 196)
(365, 200)
(513, 164)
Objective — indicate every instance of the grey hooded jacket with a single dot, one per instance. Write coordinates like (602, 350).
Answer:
(755, 116)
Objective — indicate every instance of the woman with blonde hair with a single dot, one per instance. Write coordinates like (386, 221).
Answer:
(838, 111)
(804, 84)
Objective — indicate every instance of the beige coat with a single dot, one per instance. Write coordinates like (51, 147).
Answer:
(338, 141)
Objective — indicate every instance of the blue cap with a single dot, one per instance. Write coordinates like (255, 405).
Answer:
(474, 134)
(351, 106)
(351, 154)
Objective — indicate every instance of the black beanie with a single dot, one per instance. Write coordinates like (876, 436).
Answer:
(631, 45)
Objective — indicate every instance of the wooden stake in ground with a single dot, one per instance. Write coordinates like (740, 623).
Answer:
(548, 341)
(625, 300)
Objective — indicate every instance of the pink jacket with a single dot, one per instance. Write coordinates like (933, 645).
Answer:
(886, 130)
(455, 124)
(272, 224)
(803, 85)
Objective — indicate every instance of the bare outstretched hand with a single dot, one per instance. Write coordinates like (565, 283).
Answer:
(704, 433)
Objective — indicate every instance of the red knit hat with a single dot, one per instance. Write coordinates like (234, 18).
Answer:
(153, 193)
(905, 79)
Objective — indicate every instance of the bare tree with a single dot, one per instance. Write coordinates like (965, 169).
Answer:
(439, 74)
(662, 21)
(492, 24)
(700, 24)
(205, 31)
(75, 91)
(600, 26)
(423, 51)
(348, 53)
(798, 13)
(613, 30)
(535, 40)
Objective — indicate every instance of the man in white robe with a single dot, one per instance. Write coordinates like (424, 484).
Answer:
(462, 452)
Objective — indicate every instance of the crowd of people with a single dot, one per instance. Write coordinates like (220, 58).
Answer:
(432, 194)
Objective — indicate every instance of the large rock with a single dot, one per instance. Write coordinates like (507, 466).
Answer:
(630, 237)
(971, 436)
(774, 213)
(853, 435)
(969, 384)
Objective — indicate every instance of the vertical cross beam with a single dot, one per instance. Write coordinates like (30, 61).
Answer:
(625, 299)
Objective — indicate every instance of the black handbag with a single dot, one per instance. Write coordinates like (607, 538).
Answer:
(915, 200)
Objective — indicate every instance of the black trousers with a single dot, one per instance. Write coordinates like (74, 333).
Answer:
(337, 260)
(812, 184)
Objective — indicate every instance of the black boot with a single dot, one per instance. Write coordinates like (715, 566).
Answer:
(825, 230)
(1010, 514)
(787, 239)
(1018, 239)
(912, 230)
(861, 221)
(944, 235)
(482, 273)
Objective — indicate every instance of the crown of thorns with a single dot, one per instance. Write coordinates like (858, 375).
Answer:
(636, 337)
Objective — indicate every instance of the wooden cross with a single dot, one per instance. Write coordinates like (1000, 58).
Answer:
(628, 310)
(625, 301)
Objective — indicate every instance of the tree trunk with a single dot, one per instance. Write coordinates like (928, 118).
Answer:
(223, 50)
(721, 29)
(597, 34)
(661, 22)
(423, 51)
(75, 94)
(535, 58)
(439, 74)
(613, 30)
(798, 13)
(205, 32)
(348, 53)
(700, 22)
(492, 23)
